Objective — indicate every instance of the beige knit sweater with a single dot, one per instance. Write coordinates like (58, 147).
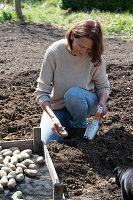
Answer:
(61, 71)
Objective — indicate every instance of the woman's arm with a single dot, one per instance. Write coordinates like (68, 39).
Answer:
(102, 85)
(100, 79)
(56, 125)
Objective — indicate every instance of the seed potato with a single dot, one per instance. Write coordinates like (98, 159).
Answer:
(4, 181)
(4, 150)
(19, 170)
(7, 153)
(25, 155)
(29, 151)
(63, 133)
(20, 157)
(32, 166)
(31, 172)
(11, 166)
(14, 159)
(6, 160)
(11, 183)
(2, 173)
(19, 177)
(21, 165)
(16, 152)
(6, 169)
(12, 175)
(27, 162)
(16, 195)
(40, 160)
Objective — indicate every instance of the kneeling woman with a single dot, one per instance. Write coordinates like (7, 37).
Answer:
(73, 82)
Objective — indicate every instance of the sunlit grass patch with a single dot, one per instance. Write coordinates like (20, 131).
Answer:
(114, 24)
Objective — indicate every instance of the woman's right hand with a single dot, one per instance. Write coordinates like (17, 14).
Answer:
(56, 126)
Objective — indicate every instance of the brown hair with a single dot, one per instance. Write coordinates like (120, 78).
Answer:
(92, 30)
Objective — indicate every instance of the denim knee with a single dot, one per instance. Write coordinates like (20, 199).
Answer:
(77, 106)
(72, 95)
(74, 98)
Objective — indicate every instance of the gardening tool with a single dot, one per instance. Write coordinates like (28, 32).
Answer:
(93, 126)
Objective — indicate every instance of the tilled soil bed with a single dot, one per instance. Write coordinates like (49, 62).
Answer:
(84, 167)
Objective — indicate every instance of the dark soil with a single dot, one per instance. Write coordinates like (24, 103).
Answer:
(84, 167)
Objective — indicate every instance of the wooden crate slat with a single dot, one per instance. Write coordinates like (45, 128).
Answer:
(57, 186)
(50, 165)
(37, 140)
(58, 191)
(21, 144)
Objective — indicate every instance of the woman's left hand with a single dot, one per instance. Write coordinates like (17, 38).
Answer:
(102, 99)
(104, 108)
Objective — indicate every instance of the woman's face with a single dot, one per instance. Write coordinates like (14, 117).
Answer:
(81, 46)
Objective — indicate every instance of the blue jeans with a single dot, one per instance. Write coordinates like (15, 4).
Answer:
(79, 104)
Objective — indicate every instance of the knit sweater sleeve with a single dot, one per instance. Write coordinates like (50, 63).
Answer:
(100, 79)
(45, 80)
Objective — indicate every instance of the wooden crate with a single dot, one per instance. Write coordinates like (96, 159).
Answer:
(38, 146)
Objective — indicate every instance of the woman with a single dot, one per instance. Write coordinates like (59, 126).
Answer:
(73, 82)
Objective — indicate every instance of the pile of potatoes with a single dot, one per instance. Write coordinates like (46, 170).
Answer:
(14, 165)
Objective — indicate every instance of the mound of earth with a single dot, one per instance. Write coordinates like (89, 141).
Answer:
(84, 167)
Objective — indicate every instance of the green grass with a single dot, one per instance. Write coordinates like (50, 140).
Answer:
(113, 24)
